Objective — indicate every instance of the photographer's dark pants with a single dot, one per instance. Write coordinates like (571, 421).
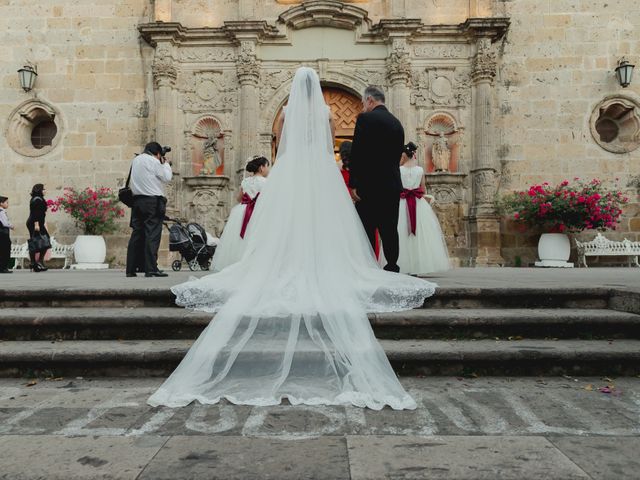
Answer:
(147, 215)
(5, 248)
(380, 212)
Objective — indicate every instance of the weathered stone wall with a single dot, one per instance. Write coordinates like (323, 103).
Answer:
(92, 73)
(554, 67)
(558, 63)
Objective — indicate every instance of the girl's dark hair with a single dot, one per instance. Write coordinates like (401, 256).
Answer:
(37, 189)
(345, 153)
(3, 199)
(255, 163)
(410, 148)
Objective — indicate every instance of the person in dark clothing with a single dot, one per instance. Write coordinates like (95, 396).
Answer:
(374, 172)
(36, 226)
(150, 171)
(5, 237)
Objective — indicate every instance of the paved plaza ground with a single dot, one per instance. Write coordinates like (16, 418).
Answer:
(621, 278)
(464, 427)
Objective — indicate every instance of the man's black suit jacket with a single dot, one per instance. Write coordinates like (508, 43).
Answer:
(374, 166)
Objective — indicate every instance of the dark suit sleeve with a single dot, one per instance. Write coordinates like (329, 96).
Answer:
(356, 161)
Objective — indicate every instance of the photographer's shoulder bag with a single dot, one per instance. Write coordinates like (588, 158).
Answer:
(125, 195)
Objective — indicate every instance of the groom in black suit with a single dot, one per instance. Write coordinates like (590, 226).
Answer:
(374, 169)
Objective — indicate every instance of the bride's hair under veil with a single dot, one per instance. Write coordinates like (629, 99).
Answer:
(291, 316)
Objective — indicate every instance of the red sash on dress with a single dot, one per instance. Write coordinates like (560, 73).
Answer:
(251, 204)
(411, 196)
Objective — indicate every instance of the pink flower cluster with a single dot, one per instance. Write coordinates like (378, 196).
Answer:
(95, 209)
(566, 207)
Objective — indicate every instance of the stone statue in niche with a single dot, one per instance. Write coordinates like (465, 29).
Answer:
(210, 155)
(441, 153)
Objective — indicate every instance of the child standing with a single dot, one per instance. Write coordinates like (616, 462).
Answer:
(232, 241)
(422, 245)
(5, 238)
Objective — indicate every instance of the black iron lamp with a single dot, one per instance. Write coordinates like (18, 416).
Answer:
(624, 71)
(28, 75)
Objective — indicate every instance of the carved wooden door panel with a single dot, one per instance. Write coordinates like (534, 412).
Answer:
(345, 108)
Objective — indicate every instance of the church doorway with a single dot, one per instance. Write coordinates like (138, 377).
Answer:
(345, 107)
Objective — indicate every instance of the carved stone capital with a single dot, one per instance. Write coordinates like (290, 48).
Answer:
(484, 64)
(163, 69)
(247, 65)
(399, 64)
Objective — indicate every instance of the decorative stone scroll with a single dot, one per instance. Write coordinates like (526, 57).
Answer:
(208, 203)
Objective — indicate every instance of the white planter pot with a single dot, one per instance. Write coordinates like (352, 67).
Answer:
(554, 250)
(90, 252)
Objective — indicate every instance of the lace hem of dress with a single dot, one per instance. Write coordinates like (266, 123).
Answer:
(383, 301)
(357, 399)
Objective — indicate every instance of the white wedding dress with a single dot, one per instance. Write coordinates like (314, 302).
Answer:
(426, 251)
(291, 314)
(231, 245)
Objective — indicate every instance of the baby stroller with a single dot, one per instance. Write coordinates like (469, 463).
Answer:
(193, 244)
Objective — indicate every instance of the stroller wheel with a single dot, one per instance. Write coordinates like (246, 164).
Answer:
(176, 265)
(205, 265)
(194, 266)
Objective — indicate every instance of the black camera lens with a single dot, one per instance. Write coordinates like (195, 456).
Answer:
(165, 150)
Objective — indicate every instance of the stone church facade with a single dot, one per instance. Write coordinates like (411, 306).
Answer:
(498, 95)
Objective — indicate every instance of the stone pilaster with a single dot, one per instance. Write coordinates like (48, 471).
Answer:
(164, 79)
(484, 223)
(248, 70)
(399, 75)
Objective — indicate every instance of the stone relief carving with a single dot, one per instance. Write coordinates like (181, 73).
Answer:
(440, 87)
(207, 54)
(370, 76)
(462, 86)
(270, 81)
(440, 51)
(208, 210)
(445, 194)
(212, 90)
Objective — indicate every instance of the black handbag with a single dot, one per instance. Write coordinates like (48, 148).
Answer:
(39, 243)
(125, 195)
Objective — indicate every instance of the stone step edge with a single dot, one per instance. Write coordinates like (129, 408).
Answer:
(440, 292)
(148, 351)
(167, 316)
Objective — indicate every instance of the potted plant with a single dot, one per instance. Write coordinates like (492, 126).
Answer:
(96, 211)
(562, 209)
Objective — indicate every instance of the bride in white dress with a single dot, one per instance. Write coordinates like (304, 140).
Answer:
(234, 236)
(422, 245)
(291, 316)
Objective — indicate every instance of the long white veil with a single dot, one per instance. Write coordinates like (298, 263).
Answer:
(291, 314)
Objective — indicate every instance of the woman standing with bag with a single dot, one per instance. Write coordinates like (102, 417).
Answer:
(38, 236)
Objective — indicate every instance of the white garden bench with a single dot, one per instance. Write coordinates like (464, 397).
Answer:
(601, 247)
(21, 253)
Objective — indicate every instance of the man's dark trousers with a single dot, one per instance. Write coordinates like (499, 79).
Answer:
(381, 212)
(147, 215)
(5, 248)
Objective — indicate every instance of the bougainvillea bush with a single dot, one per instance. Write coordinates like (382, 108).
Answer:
(95, 210)
(567, 207)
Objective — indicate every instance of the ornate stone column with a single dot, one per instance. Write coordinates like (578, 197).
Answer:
(399, 75)
(248, 71)
(164, 78)
(484, 223)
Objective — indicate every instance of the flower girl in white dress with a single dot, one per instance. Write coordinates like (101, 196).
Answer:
(233, 240)
(422, 245)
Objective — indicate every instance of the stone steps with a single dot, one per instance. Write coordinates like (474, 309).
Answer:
(490, 331)
(149, 323)
(409, 357)
(451, 298)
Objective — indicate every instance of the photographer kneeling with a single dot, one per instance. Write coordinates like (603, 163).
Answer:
(150, 171)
